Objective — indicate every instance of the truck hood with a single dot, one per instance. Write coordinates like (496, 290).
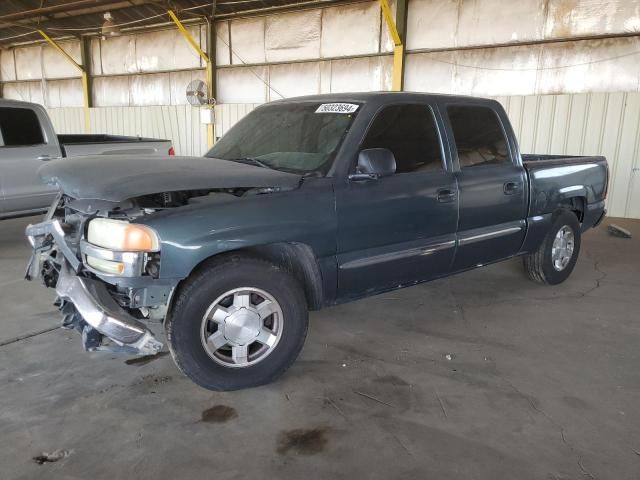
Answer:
(116, 178)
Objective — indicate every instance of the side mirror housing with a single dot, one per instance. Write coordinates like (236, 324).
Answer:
(374, 163)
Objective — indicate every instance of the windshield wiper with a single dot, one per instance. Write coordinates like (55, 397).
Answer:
(252, 161)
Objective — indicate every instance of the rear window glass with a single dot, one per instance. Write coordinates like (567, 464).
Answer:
(20, 127)
(478, 135)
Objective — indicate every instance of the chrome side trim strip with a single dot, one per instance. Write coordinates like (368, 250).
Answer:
(488, 235)
(388, 257)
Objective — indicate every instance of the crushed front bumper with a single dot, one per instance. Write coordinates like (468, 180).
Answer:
(90, 297)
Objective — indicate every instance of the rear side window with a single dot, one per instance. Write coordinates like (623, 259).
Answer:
(478, 135)
(410, 132)
(20, 127)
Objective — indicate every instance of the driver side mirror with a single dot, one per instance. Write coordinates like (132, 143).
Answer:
(374, 163)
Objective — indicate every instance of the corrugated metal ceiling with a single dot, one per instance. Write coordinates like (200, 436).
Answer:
(20, 18)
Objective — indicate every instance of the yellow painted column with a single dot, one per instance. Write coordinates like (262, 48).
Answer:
(398, 49)
(83, 75)
(209, 69)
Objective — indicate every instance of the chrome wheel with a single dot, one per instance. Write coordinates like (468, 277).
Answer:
(562, 248)
(242, 327)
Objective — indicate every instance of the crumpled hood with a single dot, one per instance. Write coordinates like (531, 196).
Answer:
(117, 178)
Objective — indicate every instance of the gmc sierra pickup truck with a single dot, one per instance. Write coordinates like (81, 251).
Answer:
(304, 203)
(27, 140)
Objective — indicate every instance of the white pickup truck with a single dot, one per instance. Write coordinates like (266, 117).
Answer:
(27, 140)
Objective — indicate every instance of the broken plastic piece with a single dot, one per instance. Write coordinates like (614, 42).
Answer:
(617, 231)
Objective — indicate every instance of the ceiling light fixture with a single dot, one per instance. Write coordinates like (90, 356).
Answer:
(109, 28)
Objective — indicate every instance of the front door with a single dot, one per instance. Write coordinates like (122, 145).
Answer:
(398, 229)
(492, 186)
(24, 149)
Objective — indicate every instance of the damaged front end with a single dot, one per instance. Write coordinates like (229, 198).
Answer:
(106, 306)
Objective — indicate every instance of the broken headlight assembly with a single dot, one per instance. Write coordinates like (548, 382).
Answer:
(117, 247)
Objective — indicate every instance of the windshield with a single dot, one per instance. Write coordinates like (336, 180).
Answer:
(296, 137)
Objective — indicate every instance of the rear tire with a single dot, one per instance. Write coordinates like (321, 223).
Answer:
(556, 257)
(237, 324)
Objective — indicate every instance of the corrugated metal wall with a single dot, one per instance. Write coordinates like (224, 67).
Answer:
(179, 123)
(579, 124)
(586, 124)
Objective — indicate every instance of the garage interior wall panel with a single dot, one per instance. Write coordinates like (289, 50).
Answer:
(28, 63)
(111, 91)
(351, 30)
(243, 84)
(491, 22)
(247, 41)
(166, 50)
(436, 24)
(588, 72)
(147, 90)
(56, 66)
(7, 66)
(601, 65)
(95, 47)
(118, 55)
(223, 54)
(293, 36)
(580, 18)
(63, 93)
(295, 79)
(361, 74)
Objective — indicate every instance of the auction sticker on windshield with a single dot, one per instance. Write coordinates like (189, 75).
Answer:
(337, 108)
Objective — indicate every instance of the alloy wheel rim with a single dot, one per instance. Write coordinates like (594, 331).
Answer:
(242, 327)
(562, 248)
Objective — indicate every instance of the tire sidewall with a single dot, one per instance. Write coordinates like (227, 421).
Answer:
(553, 276)
(185, 323)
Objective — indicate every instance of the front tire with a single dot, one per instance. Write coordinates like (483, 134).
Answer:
(556, 257)
(237, 324)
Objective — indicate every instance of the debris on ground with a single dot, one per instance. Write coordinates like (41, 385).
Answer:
(617, 231)
(54, 456)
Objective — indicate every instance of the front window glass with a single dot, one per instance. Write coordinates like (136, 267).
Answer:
(410, 132)
(295, 137)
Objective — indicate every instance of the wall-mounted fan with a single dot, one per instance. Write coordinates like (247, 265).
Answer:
(197, 94)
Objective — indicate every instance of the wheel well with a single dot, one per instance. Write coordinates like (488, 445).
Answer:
(576, 205)
(296, 258)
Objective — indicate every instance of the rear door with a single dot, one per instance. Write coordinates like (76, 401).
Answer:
(398, 229)
(492, 183)
(25, 147)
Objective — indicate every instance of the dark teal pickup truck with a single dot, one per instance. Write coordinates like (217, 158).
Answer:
(306, 202)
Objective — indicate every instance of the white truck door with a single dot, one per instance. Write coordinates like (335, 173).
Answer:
(28, 140)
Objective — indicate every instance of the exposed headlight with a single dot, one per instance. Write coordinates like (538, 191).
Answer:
(122, 236)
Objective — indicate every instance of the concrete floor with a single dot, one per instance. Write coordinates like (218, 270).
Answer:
(485, 375)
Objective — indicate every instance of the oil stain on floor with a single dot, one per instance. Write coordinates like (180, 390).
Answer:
(219, 414)
(303, 441)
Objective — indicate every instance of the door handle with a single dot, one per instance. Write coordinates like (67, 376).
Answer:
(446, 195)
(46, 158)
(510, 188)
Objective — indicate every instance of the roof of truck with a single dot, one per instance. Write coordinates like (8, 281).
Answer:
(380, 97)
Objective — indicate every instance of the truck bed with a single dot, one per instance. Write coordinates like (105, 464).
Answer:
(553, 178)
(533, 159)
